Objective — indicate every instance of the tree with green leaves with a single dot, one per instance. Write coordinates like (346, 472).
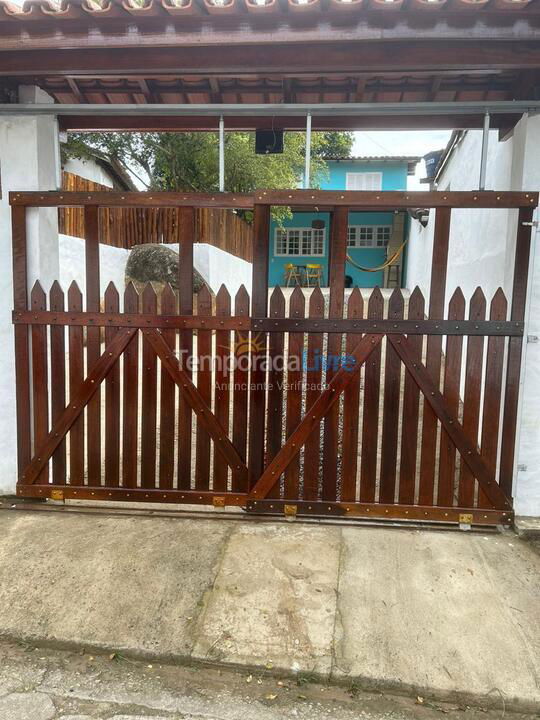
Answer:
(188, 162)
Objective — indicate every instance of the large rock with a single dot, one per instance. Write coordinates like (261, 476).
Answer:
(158, 264)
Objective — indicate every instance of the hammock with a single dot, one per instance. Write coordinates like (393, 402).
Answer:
(389, 261)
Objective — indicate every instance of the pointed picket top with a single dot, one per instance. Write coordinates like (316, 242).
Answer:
(395, 304)
(355, 306)
(477, 306)
(74, 297)
(241, 301)
(456, 306)
(499, 306)
(204, 301)
(277, 303)
(316, 303)
(223, 301)
(56, 297)
(149, 298)
(417, 305)
(168, 300)
(111, 298)
(376, 303)
(38, 297)
(131, 298)
(297, 303)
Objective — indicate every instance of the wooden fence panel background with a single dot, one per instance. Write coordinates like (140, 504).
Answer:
(126, 227)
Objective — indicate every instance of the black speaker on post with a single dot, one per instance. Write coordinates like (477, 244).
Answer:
(268, 142)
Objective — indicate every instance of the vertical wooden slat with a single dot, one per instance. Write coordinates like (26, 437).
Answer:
(40, 379)
(76, 375)
(351, 409)
(274, 428)
(294, 391)
(186, 238)
(492, 392)
(515, 345)
(312, 452)
(112, 399)
(411, 403)
(221, 385)
(204, 386)
(149, 397)
(433, 354)
(91, 230)
(452, 375)
(58, 381)
(259, 309)
(337, 253)
(471, 395)
(370, 424)
(392, 383)
(131, 397)
(167, 399)
(22, 348)
(240, 394)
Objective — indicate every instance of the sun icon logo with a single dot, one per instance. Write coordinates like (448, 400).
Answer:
(245, 344)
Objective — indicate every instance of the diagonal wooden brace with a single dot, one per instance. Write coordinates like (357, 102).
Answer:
(77, 404)
(453, 427)
(204, 414)
(315, 414)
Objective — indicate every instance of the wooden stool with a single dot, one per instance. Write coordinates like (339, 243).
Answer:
(313, 272)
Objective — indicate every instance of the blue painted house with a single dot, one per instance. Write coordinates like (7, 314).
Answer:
(302, 240)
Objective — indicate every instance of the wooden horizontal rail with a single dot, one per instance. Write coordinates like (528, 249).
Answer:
(390, 200)
(378, 511)
(311, 325)
(132, 199)
(89, 492)
(353, 199)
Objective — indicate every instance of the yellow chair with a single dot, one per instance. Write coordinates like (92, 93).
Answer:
(313, 273)
(292, 274)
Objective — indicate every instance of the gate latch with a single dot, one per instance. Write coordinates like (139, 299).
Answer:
(465, 521)
(290, 512)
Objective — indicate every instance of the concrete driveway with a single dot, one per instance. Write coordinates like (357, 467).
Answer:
(436, 613)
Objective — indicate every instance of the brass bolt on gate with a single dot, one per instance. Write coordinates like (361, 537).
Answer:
(290, 512)
(465, 521)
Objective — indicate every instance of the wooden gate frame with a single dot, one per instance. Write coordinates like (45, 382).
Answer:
(261, 479)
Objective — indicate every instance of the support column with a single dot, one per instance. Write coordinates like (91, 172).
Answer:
(29, 160)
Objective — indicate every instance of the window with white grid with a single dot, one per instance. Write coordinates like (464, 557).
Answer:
(363, 181)
(368, 236)
(299, 241)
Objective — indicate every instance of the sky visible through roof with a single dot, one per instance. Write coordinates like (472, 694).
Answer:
(401, 142)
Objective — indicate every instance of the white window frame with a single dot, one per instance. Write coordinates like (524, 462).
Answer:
(315, 233)
(375, 241)
(363, 181)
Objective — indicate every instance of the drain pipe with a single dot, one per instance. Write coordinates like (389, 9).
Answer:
(485, 144)
(221, 154)
(307, 170)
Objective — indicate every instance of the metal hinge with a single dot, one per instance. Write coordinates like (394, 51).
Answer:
(534, 224)
(532, 339)
(465, 521)
(290, 511)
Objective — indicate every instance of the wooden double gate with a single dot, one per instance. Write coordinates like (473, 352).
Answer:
(323, 403)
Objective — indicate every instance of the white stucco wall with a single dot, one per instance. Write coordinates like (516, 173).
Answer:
(88, 170)
(481, 253)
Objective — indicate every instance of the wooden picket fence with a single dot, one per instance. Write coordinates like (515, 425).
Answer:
(334, 405)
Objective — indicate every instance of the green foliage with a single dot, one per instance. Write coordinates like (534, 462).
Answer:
(189, 161)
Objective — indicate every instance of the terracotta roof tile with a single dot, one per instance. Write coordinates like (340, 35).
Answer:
(64, 10)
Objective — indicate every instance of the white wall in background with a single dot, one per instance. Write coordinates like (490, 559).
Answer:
(218, 267)
(89, 170)
(112, 262)
(481, 253)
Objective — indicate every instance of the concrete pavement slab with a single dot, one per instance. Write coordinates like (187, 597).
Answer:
(126, 583)
(274, 598)
(441, 612)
